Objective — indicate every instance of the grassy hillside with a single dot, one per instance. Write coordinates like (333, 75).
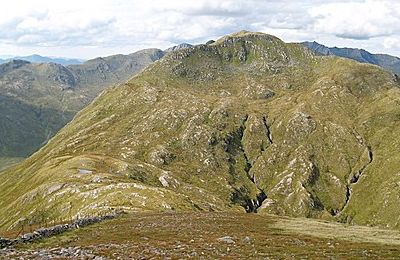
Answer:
(37, 100)
(247, 123)
(6, 162)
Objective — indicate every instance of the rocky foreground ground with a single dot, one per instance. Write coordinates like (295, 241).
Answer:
(212, 235)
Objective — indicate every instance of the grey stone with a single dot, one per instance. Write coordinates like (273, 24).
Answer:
(226, 239)
(55, 230)
(247, 240)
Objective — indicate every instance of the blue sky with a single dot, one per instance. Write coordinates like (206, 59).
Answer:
(87, 29)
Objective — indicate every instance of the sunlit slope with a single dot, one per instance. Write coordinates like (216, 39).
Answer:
(37, 99)
(248, 123)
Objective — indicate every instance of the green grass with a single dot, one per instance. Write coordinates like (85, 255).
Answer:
(6, 162)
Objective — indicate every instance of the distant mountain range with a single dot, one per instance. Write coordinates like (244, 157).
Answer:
(35, 58)
(386, 61)
(42, 59)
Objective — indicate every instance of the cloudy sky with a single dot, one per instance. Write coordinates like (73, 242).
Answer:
(86, 29)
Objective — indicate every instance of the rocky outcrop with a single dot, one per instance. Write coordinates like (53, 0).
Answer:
(5, 242)
(179, 47)
(54, 230)
(160, 156)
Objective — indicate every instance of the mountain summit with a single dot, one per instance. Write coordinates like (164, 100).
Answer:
(245, 123)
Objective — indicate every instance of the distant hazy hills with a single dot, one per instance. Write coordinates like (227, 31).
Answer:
(37, 99)
(388, 62)
(41, 59)
(35, 58)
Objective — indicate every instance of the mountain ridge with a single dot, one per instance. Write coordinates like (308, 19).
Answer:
(389, 62)
(178, 47)
(40, 98)
(35, 58)
(246, 123)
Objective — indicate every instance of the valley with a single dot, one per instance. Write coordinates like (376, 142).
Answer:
(38, 99)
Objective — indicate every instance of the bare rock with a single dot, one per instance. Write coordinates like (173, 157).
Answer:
(226, 239)
(160, 156)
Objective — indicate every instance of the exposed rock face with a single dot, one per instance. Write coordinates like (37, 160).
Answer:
(179, 47)
(247, 123)
(160, 155)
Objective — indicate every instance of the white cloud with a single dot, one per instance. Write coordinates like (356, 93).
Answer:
(357, 20)
(207, 8)
(92, 28)
(391, 42)
(52, 27)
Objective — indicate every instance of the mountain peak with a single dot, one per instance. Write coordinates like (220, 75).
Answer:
(247, 35)
(244, 33)
(243, 51)
(179, 47)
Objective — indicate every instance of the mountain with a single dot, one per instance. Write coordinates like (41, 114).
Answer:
(37, 99)
(388, 62)
(245, 124)
(179, 47)
(41, 59)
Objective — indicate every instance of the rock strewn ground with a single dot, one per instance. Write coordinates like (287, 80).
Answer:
(210, 235)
